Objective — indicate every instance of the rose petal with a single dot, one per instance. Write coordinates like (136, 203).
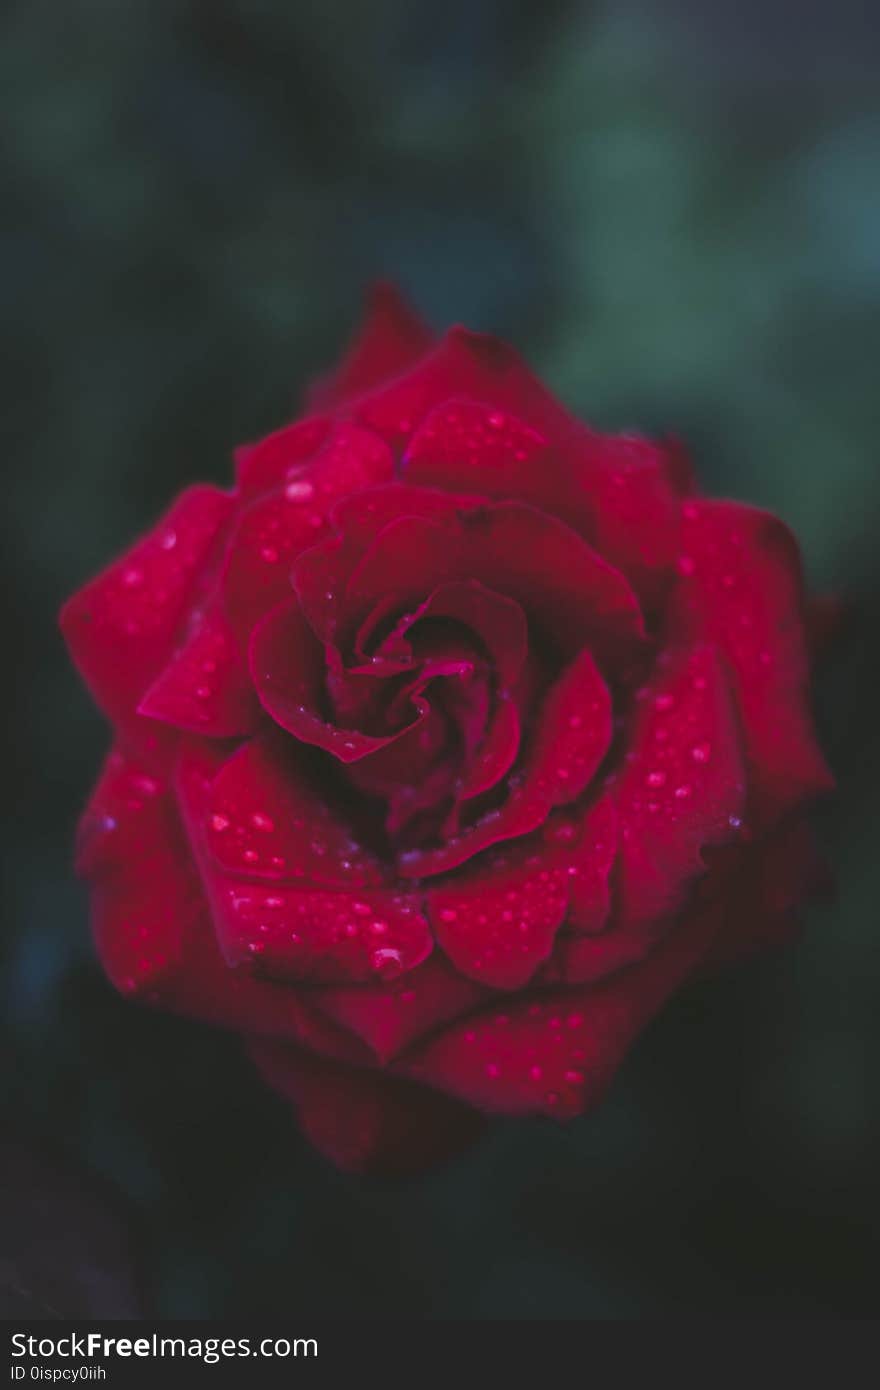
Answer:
(320, 574)
(474, 365)
(294, 933)
(281, 456)
(151, 923)
(630, 505)
(362, 1121)
(466, 445)
(555, 1052)
(496, 754)
(287, 670)
(618, 491)
(273, 530)
(513, 549)
(206, 687)
(761, 888)
(741, 588)
(390, 340)
(497, 922)
(266, 818)
(122, 626)
(683, 786)
(318, 935)
(572, 737)
(389, 1017)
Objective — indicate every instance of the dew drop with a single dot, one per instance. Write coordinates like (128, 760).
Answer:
(299, 490)
(387, 961)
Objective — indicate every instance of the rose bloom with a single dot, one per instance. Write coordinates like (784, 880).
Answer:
(446, 746)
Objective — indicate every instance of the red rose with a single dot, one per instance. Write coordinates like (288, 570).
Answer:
(447, 745)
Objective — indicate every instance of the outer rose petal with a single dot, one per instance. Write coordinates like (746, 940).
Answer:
(761, 889)
(624, 483)
(556, 1052)
(206, 688)
(273, 530)
(281, 456)
(682, 790)
(151, 924)
(363, 1121)
(618, 491)
(122, 626)
(683, 786)
(390, 340)
(741, 588)
(466, 445)
(475, 365)
(389, 1017)
(303, 932)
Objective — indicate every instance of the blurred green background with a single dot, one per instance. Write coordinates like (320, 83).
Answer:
(674, 210)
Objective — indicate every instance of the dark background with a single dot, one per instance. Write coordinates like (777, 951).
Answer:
(673, 209)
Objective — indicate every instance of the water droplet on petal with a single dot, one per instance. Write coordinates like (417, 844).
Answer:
(299, 490)
(387, 962)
